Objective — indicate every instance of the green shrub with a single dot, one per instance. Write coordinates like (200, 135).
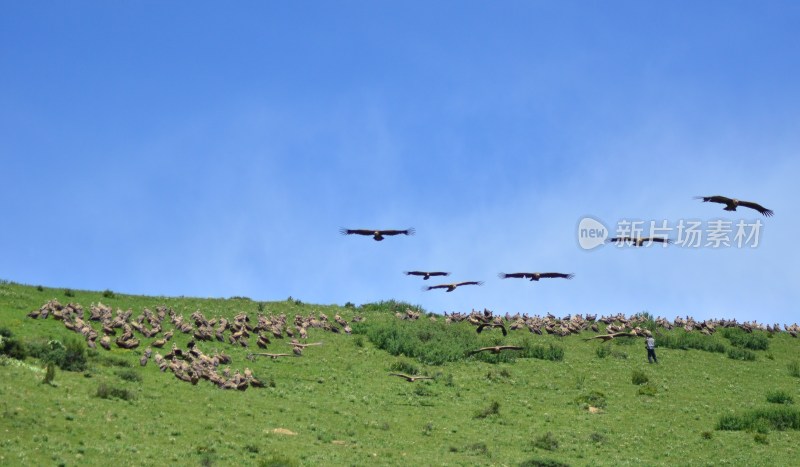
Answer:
(592, 399)
(49, 374)
(546, 441)
(552, 352)
(779, 397)
(706, 435)
(603, 351)
(10, 346)
(105, 391)
(130, 375)
(40, 288)
(776, 417)
(69, 293)
(648, 389)
(741, 354)
(639, 377)
(738, 337)
(542, 463)
(108, 293)
(432, 343)
(492, 409)
(403, 366)
(680, 339)
(69, 356)
(760, 438)
(392, 307)
(794, 368)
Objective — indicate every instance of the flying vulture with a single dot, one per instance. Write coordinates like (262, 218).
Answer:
(535, 276)
(639, 241)
(731, 204)
(608, 337)
(452, 287)
(408, 378)
(377, 235)
(496, 349)
(425, 274)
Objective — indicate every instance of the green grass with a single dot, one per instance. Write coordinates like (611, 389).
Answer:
(336, 405)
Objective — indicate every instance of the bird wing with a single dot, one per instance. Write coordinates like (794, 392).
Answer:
(440, 286)
(715, 199)
(414, 273)
(515, 275)
(469, 283)
(557, 274)
(344, 231)
(400, 375)
(620, 239)
(438, 273)
(757, 207)
(397, 232)
(658, 239)
(510, 347)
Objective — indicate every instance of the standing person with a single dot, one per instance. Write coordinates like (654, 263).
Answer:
(650, 344)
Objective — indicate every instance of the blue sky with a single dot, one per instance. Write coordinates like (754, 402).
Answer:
(190, 148)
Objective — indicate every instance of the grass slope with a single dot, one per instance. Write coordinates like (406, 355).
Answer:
(342, 408)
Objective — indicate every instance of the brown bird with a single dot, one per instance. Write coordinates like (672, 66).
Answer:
(452, 287)
(377, 235)
(731, 204)
(608, 337)
(425, 274)
(496, 349)
(535, 276)
(273, 356)
(492, 325)
(408, 378)
(639, 241)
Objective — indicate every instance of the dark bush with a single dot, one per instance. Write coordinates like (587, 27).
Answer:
(592, 399)
(11, 346)
(776, 417)
(779, 397)
(130, 375)
(680, 339)
(746, 340)
(69, 356)
(741, 354)
(603, 351)
(108, 293)
(492, 409)
(546, 441)
(794, 368)
(639, 377)
(543, 463)
(648, 389)
(69, 293)
(105, 391)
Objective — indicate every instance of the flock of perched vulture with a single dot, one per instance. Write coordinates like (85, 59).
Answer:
(191, 364)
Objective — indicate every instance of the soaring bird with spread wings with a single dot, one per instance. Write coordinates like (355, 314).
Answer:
(410, 378)
(426, 274)
(639, 241)
(496, 349)
(731, 204)
(535, 276)
(452, 287)
(377, 235)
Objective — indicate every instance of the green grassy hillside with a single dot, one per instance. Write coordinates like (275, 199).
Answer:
(559, 401)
